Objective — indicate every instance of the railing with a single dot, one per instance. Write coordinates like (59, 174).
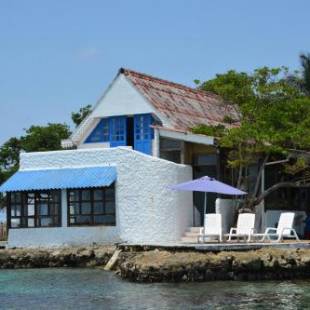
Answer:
(3, 232)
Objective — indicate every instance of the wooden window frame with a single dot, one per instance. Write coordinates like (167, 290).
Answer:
(37, 217)
(92, 201)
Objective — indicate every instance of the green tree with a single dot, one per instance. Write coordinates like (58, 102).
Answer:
(37, 138)
(9, 158)
(305, 63)
(78, 117)
(44, 138)
(275, 119)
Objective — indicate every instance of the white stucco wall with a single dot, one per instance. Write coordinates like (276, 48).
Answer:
(146, 210)
(122, 99)
(226, 207)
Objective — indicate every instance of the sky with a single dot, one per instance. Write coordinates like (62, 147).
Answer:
(57, 56)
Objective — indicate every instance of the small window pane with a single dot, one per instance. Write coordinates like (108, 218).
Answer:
(54, 209)
(17, 197)
(30, 198)
(98, 194)
(55, 197)
(98, 207)
(74, 195)
(43, 196)
(99, 219)
(85, 194)
(30, 210)
(46, 221)
(107, 220)
(85, 207)
(15, 223)
(30, 222)
(74, 208)
(82, 219)
(109, 193)
(18, 210)
(43, 209)
(110, 207)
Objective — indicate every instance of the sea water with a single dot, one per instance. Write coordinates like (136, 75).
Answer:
(97, 289)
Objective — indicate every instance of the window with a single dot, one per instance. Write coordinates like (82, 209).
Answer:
(94, 206)
(34, 209)
(101, 133)
(117, 129)
(143, 131)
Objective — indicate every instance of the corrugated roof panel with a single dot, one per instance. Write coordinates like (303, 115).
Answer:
(60, 179)
(185, 107)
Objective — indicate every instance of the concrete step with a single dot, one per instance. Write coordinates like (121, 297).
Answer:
(191, 234)
(194, 229)
(189, 239)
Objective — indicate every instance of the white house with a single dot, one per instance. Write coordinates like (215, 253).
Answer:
(111, 184)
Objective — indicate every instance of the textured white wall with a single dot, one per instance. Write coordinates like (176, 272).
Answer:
(61, 236)
(226, 207)
(122, 99)
(146, 210)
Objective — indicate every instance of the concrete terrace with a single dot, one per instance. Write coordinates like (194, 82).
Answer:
(214, 247)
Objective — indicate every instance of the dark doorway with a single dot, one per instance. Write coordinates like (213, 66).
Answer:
(204, 165)
(130, 132)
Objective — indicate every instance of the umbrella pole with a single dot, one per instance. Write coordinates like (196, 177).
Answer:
(205, 208)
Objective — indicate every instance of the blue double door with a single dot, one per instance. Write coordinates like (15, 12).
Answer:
(133, 131)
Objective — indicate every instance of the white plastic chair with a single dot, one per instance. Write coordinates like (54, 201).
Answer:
(212, 227)
(245, 227)
(284, 230)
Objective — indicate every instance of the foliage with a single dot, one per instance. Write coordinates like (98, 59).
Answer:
(37, 138)
(305, 63)
(275, 118)
(44, 138)
(78, 117)
(214, 131)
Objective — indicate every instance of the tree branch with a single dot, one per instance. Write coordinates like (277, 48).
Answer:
(277, 186)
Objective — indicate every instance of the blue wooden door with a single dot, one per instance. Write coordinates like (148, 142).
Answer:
(118, 135)
(143, 133)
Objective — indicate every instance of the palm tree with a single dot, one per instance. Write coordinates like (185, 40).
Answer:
(305, 63)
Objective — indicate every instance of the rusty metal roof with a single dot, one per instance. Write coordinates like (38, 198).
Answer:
(182, 106)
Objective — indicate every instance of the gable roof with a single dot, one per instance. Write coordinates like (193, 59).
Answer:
(179, 107)
(182, 106)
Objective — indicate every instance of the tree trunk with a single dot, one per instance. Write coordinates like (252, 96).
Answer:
(259, 176)
(277, 186)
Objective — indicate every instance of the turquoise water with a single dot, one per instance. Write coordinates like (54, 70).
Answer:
(96, 289)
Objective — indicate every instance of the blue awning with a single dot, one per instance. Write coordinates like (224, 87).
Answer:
(27, 180)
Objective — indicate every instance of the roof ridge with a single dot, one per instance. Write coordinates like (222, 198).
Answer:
(164, 81)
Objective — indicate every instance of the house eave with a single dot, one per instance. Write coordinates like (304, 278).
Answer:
(185, 136)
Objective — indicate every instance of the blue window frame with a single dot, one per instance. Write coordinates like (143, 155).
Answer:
(101, 133)
(118, 131)
(143, 133)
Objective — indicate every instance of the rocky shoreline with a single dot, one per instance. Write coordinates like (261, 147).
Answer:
(162, 265)
(264, 264)
(89, 256)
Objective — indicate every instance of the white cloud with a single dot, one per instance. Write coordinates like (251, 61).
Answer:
(88, 53)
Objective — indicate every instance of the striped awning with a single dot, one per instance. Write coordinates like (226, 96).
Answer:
(45, 179)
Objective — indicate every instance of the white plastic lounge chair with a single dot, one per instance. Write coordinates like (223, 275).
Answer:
(212, 227)
(284, 230)
(245, 227)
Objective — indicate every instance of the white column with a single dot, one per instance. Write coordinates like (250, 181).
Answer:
(156, 146)
(64, 208)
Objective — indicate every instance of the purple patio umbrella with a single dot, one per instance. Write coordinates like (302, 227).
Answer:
(208, 185)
